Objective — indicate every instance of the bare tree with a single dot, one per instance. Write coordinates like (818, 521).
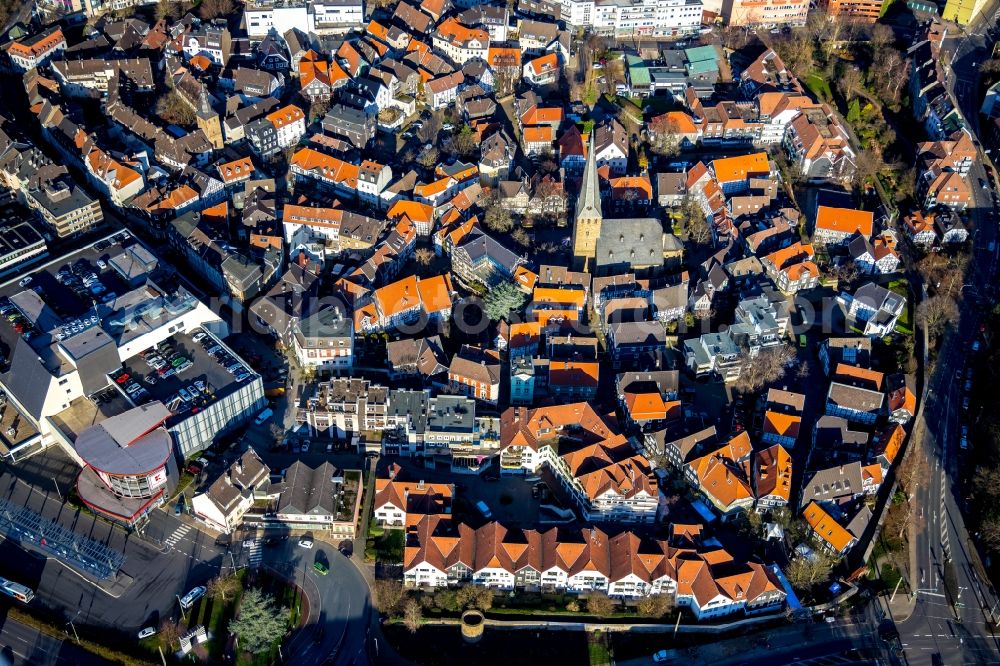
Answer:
(655, 605)
(935, 312)
(497, 217)
(600, 604)
(695, 223)
(424, 256)
(851, 82)
(882, 37)
(766, 367)
(224, 588)
(387, 595)
(172, 109)
(210, 9)
(168, 635)
(664, 136)
(429, 158)
(521, 237)
(804, 572)
(413, 616)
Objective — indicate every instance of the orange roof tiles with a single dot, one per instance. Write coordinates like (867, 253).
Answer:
(743, 167)
(573, 373)
(237, 170)
(828, 529)
(555, 295)
(286, 116)
(724, 474)
(456, 33)
(538, 134)
(327, 167)
(435, 292)
(499, 57)
(675, 122)
(871, 378)
(540, 115)
(416, 211)
(32, 47)
(544, 64)
(845, 220)
(781, 424)
(773, 473)
(201, 62)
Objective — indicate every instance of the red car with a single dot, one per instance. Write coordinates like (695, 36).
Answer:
(122, 378)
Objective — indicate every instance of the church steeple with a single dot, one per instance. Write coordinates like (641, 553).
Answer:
(588, 215)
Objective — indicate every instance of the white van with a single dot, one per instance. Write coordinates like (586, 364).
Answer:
(264, 416)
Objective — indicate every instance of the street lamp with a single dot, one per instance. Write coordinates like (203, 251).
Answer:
(73, 626)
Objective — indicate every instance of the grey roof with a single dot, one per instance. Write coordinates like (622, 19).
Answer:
(588, 203)
(427, 354)
(27, 379)
(829, 485)
(795, 401)
(638, 332)
(859, 523)
(245, 474)
(671, 184)
(687, 444)
(412, 404)
(852, 397)
(129, 443)
(328, 322)
(879, 298)
(833, 433)
(95, 354)
(667, 381)
(451, 413)
(309, 491)
(636, 241)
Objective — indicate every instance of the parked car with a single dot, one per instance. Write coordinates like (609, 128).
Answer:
(306, 542)
(146, 633)
(122, 378)
(660, 657)
(194, 595)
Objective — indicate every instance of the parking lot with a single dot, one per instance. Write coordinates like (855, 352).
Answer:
(509, 498)
(59, 294)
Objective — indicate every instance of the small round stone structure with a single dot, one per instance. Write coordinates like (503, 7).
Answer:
(473, 623)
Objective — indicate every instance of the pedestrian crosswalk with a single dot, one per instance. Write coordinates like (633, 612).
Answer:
(177, 535)
(254, 553)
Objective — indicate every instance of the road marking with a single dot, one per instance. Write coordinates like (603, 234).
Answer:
(177, 534)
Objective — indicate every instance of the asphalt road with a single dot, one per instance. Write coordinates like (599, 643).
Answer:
(949, 624)
(851, 639)
(26, 645)
(170, 558)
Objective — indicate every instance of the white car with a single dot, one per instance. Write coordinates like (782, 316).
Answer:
(147, 632)
(101, 264)
(198, 337)
(194, 595)
(306, 542)
(25, 282)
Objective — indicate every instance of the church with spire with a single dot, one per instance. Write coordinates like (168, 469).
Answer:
(588, 216)
(610, 246)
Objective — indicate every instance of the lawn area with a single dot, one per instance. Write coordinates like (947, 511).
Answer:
(819, 87)
(597, 649)
(905, 323)
(389, 546)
